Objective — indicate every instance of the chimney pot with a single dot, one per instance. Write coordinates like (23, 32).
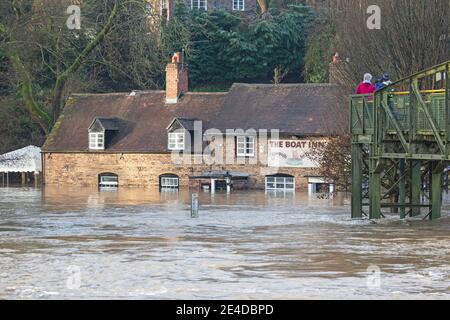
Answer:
(177, 57)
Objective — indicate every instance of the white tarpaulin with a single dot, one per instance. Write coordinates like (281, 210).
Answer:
(27, 159)
(292, 153)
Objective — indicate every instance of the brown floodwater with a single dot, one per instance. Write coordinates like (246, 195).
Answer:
(83, 244)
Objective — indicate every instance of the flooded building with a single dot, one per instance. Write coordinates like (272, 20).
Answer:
(21, 166)
(253, 136)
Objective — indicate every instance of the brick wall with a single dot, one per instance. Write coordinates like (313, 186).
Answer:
(143, 170)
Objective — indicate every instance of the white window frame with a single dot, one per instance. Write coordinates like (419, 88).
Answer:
(168, 182)
(198, 2)
(238, 5)
(245, 146)
(97, 140)
(163, 4)
(104, 183)
(174, 143)
(280, 183)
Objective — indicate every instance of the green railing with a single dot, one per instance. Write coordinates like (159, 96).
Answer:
(398, 139)
(362, 113)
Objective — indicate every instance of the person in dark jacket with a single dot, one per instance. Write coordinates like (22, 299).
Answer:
(378, 84)
(383, 82)
(366, 87)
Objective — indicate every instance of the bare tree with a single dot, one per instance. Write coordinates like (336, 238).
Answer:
(414, 35)
(41, 30)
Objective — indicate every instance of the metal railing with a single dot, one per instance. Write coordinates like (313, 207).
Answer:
(363, 113)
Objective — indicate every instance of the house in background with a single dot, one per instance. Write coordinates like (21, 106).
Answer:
(176, 138)
(166, 7)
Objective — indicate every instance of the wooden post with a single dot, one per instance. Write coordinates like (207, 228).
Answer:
(24, 178)
(375, 189)
(7, 179)
(375, 195)
(356, 182)
(416, 186)
(213, 186)
(194, 205)
(310, 189)
(36, 177)
(402, 188)
(436, 191)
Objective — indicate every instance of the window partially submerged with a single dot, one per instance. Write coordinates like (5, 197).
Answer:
(169, 182)
(101, 131)
(280, 182)
(108, 181)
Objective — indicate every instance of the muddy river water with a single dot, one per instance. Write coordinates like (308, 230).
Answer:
(131, 244)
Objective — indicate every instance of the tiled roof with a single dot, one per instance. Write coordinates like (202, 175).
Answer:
(292, 108)
(143, 118)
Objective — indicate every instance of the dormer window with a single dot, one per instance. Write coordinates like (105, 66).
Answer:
(176, 140)
(101, 132)
(181, 134)
(96, 141)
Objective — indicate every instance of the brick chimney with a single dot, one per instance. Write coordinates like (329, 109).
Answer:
(176, 79)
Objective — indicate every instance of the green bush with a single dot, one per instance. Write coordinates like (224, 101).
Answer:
(319, 54)
(222, 47)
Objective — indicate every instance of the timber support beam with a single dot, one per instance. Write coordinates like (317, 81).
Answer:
(400, 139)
